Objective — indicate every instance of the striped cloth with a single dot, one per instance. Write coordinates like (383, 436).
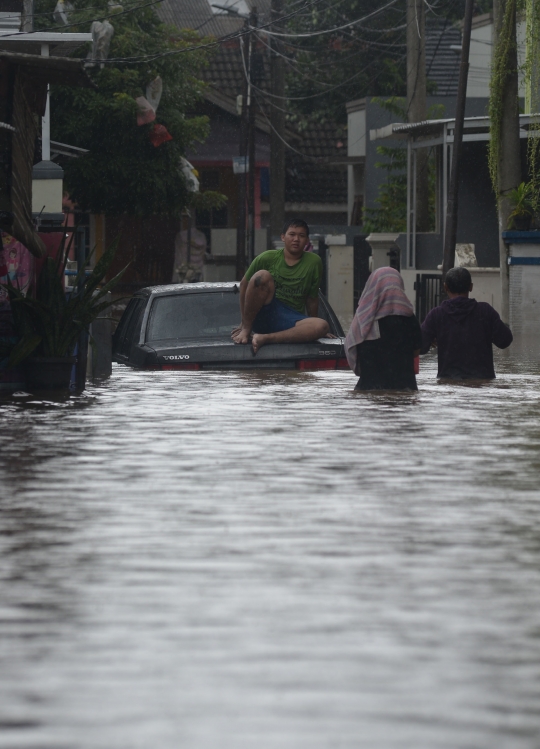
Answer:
(383, 295)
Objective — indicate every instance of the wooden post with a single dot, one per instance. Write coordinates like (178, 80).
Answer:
(452, 207)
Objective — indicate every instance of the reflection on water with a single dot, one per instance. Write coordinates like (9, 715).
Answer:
(251, 560)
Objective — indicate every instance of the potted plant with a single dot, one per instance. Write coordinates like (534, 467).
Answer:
(50, 321)
(523, 209)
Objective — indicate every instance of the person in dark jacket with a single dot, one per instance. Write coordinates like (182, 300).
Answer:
(384, 336)
(464, 331)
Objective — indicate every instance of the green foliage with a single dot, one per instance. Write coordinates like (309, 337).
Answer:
(391, 215)
(367, 59)
(49, 322)
(123, 172)
(204, 201)
(532, 74)
(332, 69)
(522, 202)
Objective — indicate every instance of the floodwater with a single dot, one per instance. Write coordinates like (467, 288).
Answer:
(196, 560)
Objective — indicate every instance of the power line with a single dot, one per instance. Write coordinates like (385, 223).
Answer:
(338, 28)
(228, 37)
(79, 23)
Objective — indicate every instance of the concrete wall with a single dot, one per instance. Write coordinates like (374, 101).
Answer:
(525, 292)
(374, 116)
(341, 282)
(480, 55)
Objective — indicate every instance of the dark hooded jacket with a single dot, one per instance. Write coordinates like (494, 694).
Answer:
(464, 331)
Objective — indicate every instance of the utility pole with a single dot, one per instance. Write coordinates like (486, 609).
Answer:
(253, 22)
(28, 16)
(241, 216)
(416, 102)
(509, 158)
(277, 132)
(452, 205)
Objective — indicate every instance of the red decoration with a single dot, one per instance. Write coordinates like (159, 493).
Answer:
(159, 134)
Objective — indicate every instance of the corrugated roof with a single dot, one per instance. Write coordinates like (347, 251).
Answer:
(198, 15)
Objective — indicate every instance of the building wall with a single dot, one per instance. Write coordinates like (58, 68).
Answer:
(481, 53)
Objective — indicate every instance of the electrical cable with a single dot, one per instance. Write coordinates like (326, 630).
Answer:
(338, 28)
(228, 37)
(69, 25)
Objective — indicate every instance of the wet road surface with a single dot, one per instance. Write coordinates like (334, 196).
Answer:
(252, 561)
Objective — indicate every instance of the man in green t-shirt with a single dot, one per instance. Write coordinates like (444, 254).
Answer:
(278, 287)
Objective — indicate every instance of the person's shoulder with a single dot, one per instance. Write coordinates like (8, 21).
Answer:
(267, 257)
(432, 315)
(485, 306)
(486, 309)
(269, 254)
(311, 258)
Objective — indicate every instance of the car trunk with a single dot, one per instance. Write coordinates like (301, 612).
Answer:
(222, 353)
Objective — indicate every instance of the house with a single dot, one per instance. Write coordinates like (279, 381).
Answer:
(44, 57)
(316, 177)
(421, 253)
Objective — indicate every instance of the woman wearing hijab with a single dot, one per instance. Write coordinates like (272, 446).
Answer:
(384, 336)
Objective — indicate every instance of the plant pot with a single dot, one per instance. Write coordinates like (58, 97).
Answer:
(522, 223)
(48, 372)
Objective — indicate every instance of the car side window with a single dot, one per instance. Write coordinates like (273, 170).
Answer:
(133, 327)
(120, 332)
(325, 314)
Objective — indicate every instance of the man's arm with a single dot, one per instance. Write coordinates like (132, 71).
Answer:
(429, 332)
(312, 306)
(501, 334)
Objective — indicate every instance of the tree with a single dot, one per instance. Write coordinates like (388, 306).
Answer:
(504, 147)
(123, 171)
(367, 58)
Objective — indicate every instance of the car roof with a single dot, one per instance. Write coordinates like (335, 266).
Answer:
(187, 288)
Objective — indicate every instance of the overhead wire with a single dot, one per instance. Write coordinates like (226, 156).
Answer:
(78, 23)
(227, 37)
(338, 28)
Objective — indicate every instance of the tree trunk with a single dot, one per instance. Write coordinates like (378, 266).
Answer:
(416, 101)
(509, 162)
(277, 145)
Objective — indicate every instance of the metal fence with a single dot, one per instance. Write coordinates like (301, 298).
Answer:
(428, 289)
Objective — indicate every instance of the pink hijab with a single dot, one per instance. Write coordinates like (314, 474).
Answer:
(383, 295)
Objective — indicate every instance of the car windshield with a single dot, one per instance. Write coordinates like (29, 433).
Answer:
(193, 316)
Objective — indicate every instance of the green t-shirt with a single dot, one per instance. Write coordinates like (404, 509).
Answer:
(294, 283)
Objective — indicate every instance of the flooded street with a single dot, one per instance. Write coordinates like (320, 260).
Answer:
(228, 560)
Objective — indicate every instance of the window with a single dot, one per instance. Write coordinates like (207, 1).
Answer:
(129, 328)
(193, 316)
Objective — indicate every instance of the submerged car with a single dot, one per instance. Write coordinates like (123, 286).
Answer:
(188, 326)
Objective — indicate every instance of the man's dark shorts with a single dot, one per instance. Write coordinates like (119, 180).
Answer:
(276, 316)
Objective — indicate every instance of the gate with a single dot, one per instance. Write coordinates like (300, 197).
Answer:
(428, 289)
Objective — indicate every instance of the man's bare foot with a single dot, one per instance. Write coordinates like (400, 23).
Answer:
(258, 340)
(241, 336)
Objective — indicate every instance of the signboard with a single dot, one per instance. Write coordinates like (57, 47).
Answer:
(240, 164)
